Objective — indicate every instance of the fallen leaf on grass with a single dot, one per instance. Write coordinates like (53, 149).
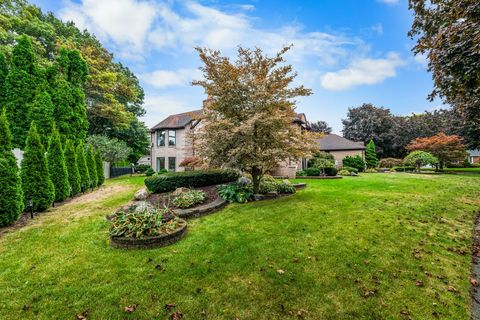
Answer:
(419, 283)
(369, 292)
(130, 308)
(177, 315)
(452, 289)
(280, 271)
(169, 306)
(82, 316)
(474, 282)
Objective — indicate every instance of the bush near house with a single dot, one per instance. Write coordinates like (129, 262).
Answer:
(350, 169)
(355, 162)
(142, 168)
(189, 199)
(192, 179)
(390, 162)
(371, 155)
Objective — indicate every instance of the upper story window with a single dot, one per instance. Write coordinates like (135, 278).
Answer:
(161, 138)
(172, 137)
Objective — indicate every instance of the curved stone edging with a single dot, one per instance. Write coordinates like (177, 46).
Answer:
(318, 177)
(299, 186)
(150, 242)
(199, 211)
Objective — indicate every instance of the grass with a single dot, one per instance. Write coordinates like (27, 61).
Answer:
(376, 246)
(457, 170)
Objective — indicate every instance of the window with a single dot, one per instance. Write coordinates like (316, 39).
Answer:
(160, 163)
(161, 138)
(171, 164)
(172, 137)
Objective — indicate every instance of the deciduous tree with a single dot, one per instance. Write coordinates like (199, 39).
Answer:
(420, 158)
(247, 123)
(321, 126)
(111, 149)
(36, 182)
(445, 148)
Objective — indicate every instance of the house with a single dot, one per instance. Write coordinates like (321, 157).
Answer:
(341, 147)
(474, 156)
(145, 160)
(170, 143)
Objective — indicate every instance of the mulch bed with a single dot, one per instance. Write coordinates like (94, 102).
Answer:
(160, 200)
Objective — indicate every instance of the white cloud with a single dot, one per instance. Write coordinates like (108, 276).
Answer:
(125, 22)
(364, 71)
(377, 28)
(159, 107)
(166, 78)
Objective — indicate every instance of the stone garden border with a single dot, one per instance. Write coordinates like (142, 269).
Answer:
(149, 242)
(299, 186)
(202, 210)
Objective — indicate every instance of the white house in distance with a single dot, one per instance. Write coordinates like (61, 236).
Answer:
(170, 144)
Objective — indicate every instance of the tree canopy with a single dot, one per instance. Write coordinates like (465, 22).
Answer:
(420, 158)
(248, 119)
(321, 126)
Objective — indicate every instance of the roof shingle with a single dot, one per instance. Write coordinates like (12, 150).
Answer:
(332, 142)
(177, 121)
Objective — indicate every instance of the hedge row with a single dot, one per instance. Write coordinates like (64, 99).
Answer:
(191, 179)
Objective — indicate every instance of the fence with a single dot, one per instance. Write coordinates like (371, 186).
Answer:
(119, 171)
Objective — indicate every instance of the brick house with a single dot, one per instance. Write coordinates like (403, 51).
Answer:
(170, 144)
(473, 156)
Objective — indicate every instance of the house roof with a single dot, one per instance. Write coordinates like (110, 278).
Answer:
(177, 121)
(474, 153)
(332, 142)
(180, 120)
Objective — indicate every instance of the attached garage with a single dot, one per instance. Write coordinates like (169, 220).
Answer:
(341, 147)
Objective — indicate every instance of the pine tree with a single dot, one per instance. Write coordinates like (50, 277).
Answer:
(99, 163)
(11, 197)
(72, 168)
(36, 182)
(3, 78)
(41, 112)
(57, 168)
(371, 155)
(19, 89)
(82, 167)
(92, 167)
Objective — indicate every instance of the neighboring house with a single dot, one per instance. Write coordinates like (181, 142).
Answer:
(146, 159)
(171, 143)
(474, 156)
(341, 147)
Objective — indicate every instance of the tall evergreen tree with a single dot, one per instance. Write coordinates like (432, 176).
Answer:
(92, 167)
(57, 168)
(99, 164)
(371, 155)
(72, 167)
(11, 198)
(19, 89)
(36, 182)
(41, 112)
(82, 167)
(3, 78)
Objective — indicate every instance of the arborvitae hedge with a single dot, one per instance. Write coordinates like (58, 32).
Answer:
(371, 155)
(99, 163)
(92, 167)
(57, 168)
(3, 77)
(41, 112)
(11, 198)
(36, 182)
(82, 167)
(72, 167)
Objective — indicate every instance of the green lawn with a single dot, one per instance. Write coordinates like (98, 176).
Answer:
(378, 246)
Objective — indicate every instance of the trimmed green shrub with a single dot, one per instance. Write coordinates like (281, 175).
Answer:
(189, 199)
(191, 179)
(92, 166)
(371, 155)
(57, 168)
(284, 187)
(267, 184)
(36, 182)
(344, 172)
(371, 170)
(142, 168)
(82, 167)
(150, 172)
(312, 171)
(11, 197)
(390, 162)
(300, 173)
(99, 164)
(351, 169)
(74, 179)
(355, 162)
(403, 168)
(331, 172)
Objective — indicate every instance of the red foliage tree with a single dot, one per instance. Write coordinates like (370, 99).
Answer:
(445, 148)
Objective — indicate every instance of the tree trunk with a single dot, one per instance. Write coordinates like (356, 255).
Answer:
(256, 176)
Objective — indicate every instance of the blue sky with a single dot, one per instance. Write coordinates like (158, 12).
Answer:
(347, 52)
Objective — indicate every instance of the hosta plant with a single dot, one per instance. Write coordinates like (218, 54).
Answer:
(236, 192)
(189, 199)
(139, 222)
